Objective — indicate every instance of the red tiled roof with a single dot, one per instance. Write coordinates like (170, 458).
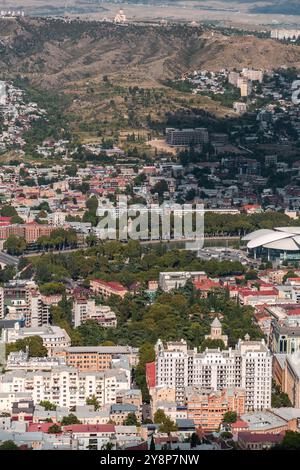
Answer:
(252, 206)
(90, 428)
(142, 446)
(261, 437)
(239, 424)
(258, 293)
(207, 284)
(150, 374)
(39, 427)
(293, 311)
(112, 284)
(164, 440)
(261, 316)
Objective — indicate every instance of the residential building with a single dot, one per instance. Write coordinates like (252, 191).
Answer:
(173, 280)
(96, 358)
(106, 289)
(207, 407)
(248, 366)
(86, 309)
(53, 336)
(65, 386)
(182, 137)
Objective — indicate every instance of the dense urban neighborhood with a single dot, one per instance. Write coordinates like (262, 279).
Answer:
(117, 332)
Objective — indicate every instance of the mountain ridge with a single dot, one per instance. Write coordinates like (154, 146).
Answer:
(55, 52)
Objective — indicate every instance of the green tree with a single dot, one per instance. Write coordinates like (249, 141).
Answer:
(8, 445)
(54, 429)
(94, 402)
(230, 417)
(146, 354)
(152, 443)
(212, 344)
(16, 219)
(291, 441)
(33, 343)
(70, 419)
(131, 420)
(8, 211)
(92, 333)
(52, 288)
(279, 399)
(15, 245)
(47, 405)
(166, 424)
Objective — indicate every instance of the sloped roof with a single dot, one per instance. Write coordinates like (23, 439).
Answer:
(281, 238)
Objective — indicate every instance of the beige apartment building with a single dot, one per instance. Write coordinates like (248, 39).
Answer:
(96, 358)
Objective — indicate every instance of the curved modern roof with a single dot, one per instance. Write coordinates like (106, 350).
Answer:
(281, 238)
(256, 233)
(295, 230)
(287, 244)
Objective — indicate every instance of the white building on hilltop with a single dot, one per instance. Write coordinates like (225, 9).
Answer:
(282, 34)
(248, 366)
(120, 17)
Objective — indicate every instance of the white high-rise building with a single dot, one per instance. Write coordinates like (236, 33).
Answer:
(3, 94)
(24, 302)
(1, 303)
(248, 366)
(64, 386)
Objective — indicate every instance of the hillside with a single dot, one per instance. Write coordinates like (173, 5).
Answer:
(54, 52)
(97, 66)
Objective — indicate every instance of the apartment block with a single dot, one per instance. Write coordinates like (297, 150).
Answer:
(86, 309)
(106, 289)
(53, 337)
(65, 386)
(181, 137)
(248, 366)
(207, 407)
(97, 358)
(173, 280)
(23, 302)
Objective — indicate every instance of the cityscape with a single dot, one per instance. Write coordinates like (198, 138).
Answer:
(149, 230)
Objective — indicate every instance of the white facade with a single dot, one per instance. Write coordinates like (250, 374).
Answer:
(84, 310)
(24, 302)
(64, 386)
(248, 366)
(285, 34)
(53, 336)
(173, 280)
(1, 303)
(21, 361)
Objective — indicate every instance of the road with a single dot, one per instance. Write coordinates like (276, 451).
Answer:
(145, 242)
